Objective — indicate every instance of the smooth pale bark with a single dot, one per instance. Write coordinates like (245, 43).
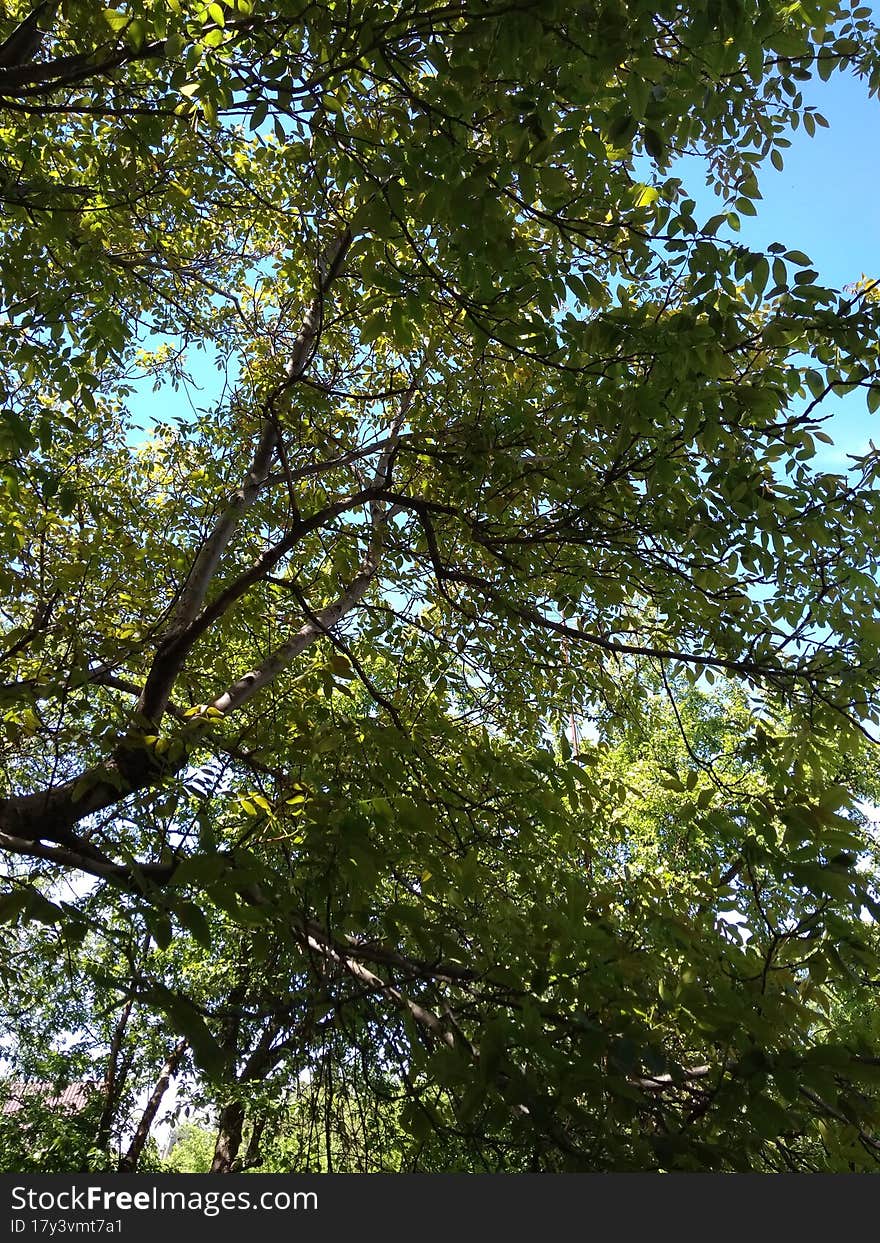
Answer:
(28, 822)
(172, 651)
(129, 1162)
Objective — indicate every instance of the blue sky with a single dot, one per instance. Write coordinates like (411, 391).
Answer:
(826, 202)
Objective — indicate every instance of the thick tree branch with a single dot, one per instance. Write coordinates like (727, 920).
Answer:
(171, 653)
(129, 1161)
(245, 687)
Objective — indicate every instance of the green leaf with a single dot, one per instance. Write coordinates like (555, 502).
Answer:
(115, 19)
(258, 115)
(136, 34)
(654, 144)
(193, 919)
(160, 927)
(12, 904)
(200, 870)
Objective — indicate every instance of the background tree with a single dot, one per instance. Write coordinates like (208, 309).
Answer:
(285, 672)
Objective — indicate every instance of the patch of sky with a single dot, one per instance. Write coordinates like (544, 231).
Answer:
(824, 202)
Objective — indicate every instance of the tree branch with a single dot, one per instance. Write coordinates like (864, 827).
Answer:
(171, 653)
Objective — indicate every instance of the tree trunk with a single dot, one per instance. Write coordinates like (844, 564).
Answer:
(128, 1164)
(229, 1133)
(253, 1156)
(113, 1081)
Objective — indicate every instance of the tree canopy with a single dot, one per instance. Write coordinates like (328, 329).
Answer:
(425, 611)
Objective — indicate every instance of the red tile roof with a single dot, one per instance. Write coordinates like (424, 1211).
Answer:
(71, 1100)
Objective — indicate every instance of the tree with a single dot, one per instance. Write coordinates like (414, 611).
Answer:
(191, 1151)
(495, 433)
(67, 1000)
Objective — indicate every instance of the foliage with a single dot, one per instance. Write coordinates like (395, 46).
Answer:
(191, 1150)
(489, 433)
(39, 1137)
